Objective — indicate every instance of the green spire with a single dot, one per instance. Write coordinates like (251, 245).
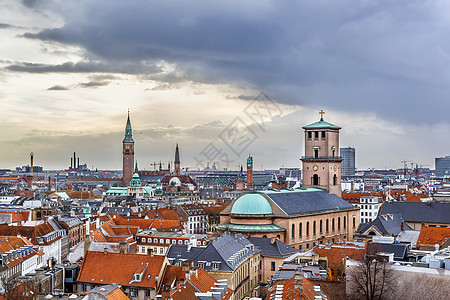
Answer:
(250, 160)
(128, 131)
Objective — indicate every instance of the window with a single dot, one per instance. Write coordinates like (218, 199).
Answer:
(334, 177)
(320, 227)
(345, 222)
(309, 135)
(327, 228)
(215, 266)
(315, 179)
(323, 135)
(167, 241)
(83, 287)
(307, 228)
(293, 231)
(133, 292)
(201, 264)
(155, 240)
(316, 153)
(332, 224)
(354, 221)
(314, 228)
(143, 240)
(161, 250)
(307, 246)
(180, 242)
(161, 241)
(300, 229)
(272, 266)
(339, 223)
(316, 135)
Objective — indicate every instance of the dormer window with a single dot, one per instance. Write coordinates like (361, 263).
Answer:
(137, 277)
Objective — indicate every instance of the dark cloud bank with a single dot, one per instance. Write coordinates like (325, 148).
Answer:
(391, 58)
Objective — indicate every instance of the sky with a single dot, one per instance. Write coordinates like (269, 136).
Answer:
(224, 79)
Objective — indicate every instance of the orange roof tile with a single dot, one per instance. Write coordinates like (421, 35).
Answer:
(101, 268)
(433, 235)
(336, 254)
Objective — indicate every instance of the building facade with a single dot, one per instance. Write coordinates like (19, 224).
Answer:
(442, 166)
(348, 162)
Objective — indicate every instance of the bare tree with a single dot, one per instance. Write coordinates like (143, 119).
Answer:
(15, 289)
(371, 278)
(414, 286)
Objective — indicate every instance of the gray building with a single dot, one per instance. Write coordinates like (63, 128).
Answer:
(442, 165)
(348, 164)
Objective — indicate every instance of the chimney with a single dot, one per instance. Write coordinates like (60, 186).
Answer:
(97, 223)
(352, 188)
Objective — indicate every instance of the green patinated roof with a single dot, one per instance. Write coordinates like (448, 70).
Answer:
(252, 204)
(321, 124)
(250, 228)
(117, 191)
(128, 132)
(250, 160)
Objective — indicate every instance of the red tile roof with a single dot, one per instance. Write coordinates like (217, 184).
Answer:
(433, 235)
(336, 253)
(30, 232)
(120, 268)
(199, 281)
(289, 291)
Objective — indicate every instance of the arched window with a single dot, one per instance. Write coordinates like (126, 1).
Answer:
(316, 179)
(327, 228)
(334, 179)
(354, 221)
(278, 236)
(339, 223)
(300, 230)
(314, 228)
(332, 225)
(345, 222)
(320, 227)
(293, 231)
(307, 228)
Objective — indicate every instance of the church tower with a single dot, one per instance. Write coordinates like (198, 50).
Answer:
(128, 153)
(322, 163)
(177, 161)
(250, 172)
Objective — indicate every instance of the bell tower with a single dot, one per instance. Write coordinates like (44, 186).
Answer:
(322, 163)
(128, 153)
(250, 172)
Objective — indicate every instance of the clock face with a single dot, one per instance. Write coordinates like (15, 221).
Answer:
(335, 168)
(315, 167)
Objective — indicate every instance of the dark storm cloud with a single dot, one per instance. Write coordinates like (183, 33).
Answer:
(94, 84)
(58, 88)
(84, 67)
(391, 58)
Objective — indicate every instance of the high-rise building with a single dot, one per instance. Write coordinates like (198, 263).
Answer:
(442, 165)
(322, 163)
(348, 163)
(128, 154)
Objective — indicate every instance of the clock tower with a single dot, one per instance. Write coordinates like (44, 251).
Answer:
(322, 163)
(128, 154)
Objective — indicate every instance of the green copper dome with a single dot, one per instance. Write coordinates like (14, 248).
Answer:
(251, 204)
(321, 124)
(250, 160)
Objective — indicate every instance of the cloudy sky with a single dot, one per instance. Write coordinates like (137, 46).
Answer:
(223, 79)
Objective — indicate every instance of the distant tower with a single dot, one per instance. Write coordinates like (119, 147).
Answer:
(128, 153)
(250, 172)
(322, 163)
(348, 163)
(177, 161)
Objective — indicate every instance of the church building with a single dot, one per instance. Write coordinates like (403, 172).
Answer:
(305, 216)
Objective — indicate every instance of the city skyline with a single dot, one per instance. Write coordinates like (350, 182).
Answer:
(69, 73)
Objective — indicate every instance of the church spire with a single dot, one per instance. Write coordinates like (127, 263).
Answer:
(177, 155)
(177, 161)
(128, 131)
(136, 168)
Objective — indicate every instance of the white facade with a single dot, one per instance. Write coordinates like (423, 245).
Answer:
(369, 207)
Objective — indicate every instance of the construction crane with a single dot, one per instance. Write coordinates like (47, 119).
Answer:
(405, 166)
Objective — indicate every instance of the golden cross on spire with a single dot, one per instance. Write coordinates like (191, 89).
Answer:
(321, 113)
